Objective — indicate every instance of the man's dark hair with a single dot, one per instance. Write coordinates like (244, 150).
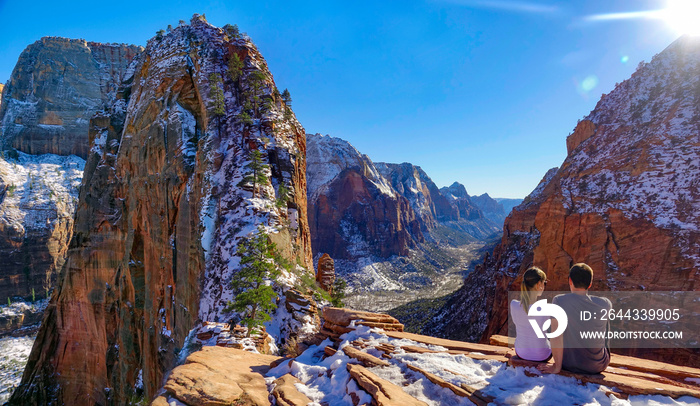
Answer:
(581, 275)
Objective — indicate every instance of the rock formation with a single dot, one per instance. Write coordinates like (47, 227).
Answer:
(325, 274)
(492, 209)
(218, 376)
(55, 88)
(38, 196)
(387, 367)
(2, 87)
(353, 210)
(364, 213)
(160, 214)
(626, 201)
(508, 204)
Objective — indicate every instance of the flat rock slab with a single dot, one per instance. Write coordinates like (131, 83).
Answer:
(217, 376)
(343, 317)
(286, 392)
(629, 382)
(382, 391)
(458, 346)
(366, 359)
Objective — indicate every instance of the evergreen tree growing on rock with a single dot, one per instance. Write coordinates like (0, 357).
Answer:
(338, 292)
(255, 297)
(287, 97)
(256, 175)
(217, 94)
(235, 67)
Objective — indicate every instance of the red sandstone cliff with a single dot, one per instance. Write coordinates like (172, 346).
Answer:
(56, 86)
(383, 222)
(626, 201)
(160, 215)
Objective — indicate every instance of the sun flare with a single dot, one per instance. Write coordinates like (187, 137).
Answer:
(683, 16)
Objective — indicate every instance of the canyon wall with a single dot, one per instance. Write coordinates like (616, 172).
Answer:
(55, 88)
(387, 226)
(626, 200)
(162, 206)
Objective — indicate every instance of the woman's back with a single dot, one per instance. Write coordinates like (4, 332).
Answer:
(527, 345)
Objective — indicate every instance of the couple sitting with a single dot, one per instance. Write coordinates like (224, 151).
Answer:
(570, 351)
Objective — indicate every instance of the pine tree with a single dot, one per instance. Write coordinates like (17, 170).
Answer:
(217, 94)
(232, 30)
(254, 296)
(257, 175)
(235, 67)
(282, 196)
(338, 293)
(287, 97)
(257, 80)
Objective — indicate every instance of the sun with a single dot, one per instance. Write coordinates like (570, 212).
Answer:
(683, 16)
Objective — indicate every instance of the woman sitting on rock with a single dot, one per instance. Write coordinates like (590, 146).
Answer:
(527, 345)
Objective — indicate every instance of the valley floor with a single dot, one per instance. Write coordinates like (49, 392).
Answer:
(441, 277)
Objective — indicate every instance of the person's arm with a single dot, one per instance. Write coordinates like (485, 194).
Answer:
(557, 344)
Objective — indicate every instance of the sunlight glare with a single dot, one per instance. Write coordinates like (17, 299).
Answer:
(683, 16)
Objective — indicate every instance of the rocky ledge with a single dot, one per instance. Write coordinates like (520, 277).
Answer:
(374, 366)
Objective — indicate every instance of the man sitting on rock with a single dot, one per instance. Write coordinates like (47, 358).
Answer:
(569, 350)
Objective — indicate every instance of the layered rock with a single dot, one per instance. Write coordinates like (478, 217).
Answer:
(427, 202)
(325, 273)
(492, 209)
(508, 204)
(218, 376)
(55, 88)
(475, 219)
(160, 215)
(385, 225)
(625, 201)
(38, 196)
(353, 210)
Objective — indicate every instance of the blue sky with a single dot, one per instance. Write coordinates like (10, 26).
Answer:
(483, 92)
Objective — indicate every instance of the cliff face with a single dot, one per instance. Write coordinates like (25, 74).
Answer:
(353, 209)
(2, 87)
(160, 215)
(55, 88)
(626, 201)
(38, 195)
(387, 226)
(492, 209)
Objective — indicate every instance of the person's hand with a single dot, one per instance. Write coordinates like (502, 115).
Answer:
(549, 368)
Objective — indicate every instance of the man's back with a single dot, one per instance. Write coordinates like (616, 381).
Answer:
(584, 355)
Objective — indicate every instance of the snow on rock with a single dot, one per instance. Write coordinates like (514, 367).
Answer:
(326, 379)
(38, 198)
(38, 188)
(14, 352)
(329, 156)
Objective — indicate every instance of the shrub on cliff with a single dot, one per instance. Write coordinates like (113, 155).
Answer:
(255, 297)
